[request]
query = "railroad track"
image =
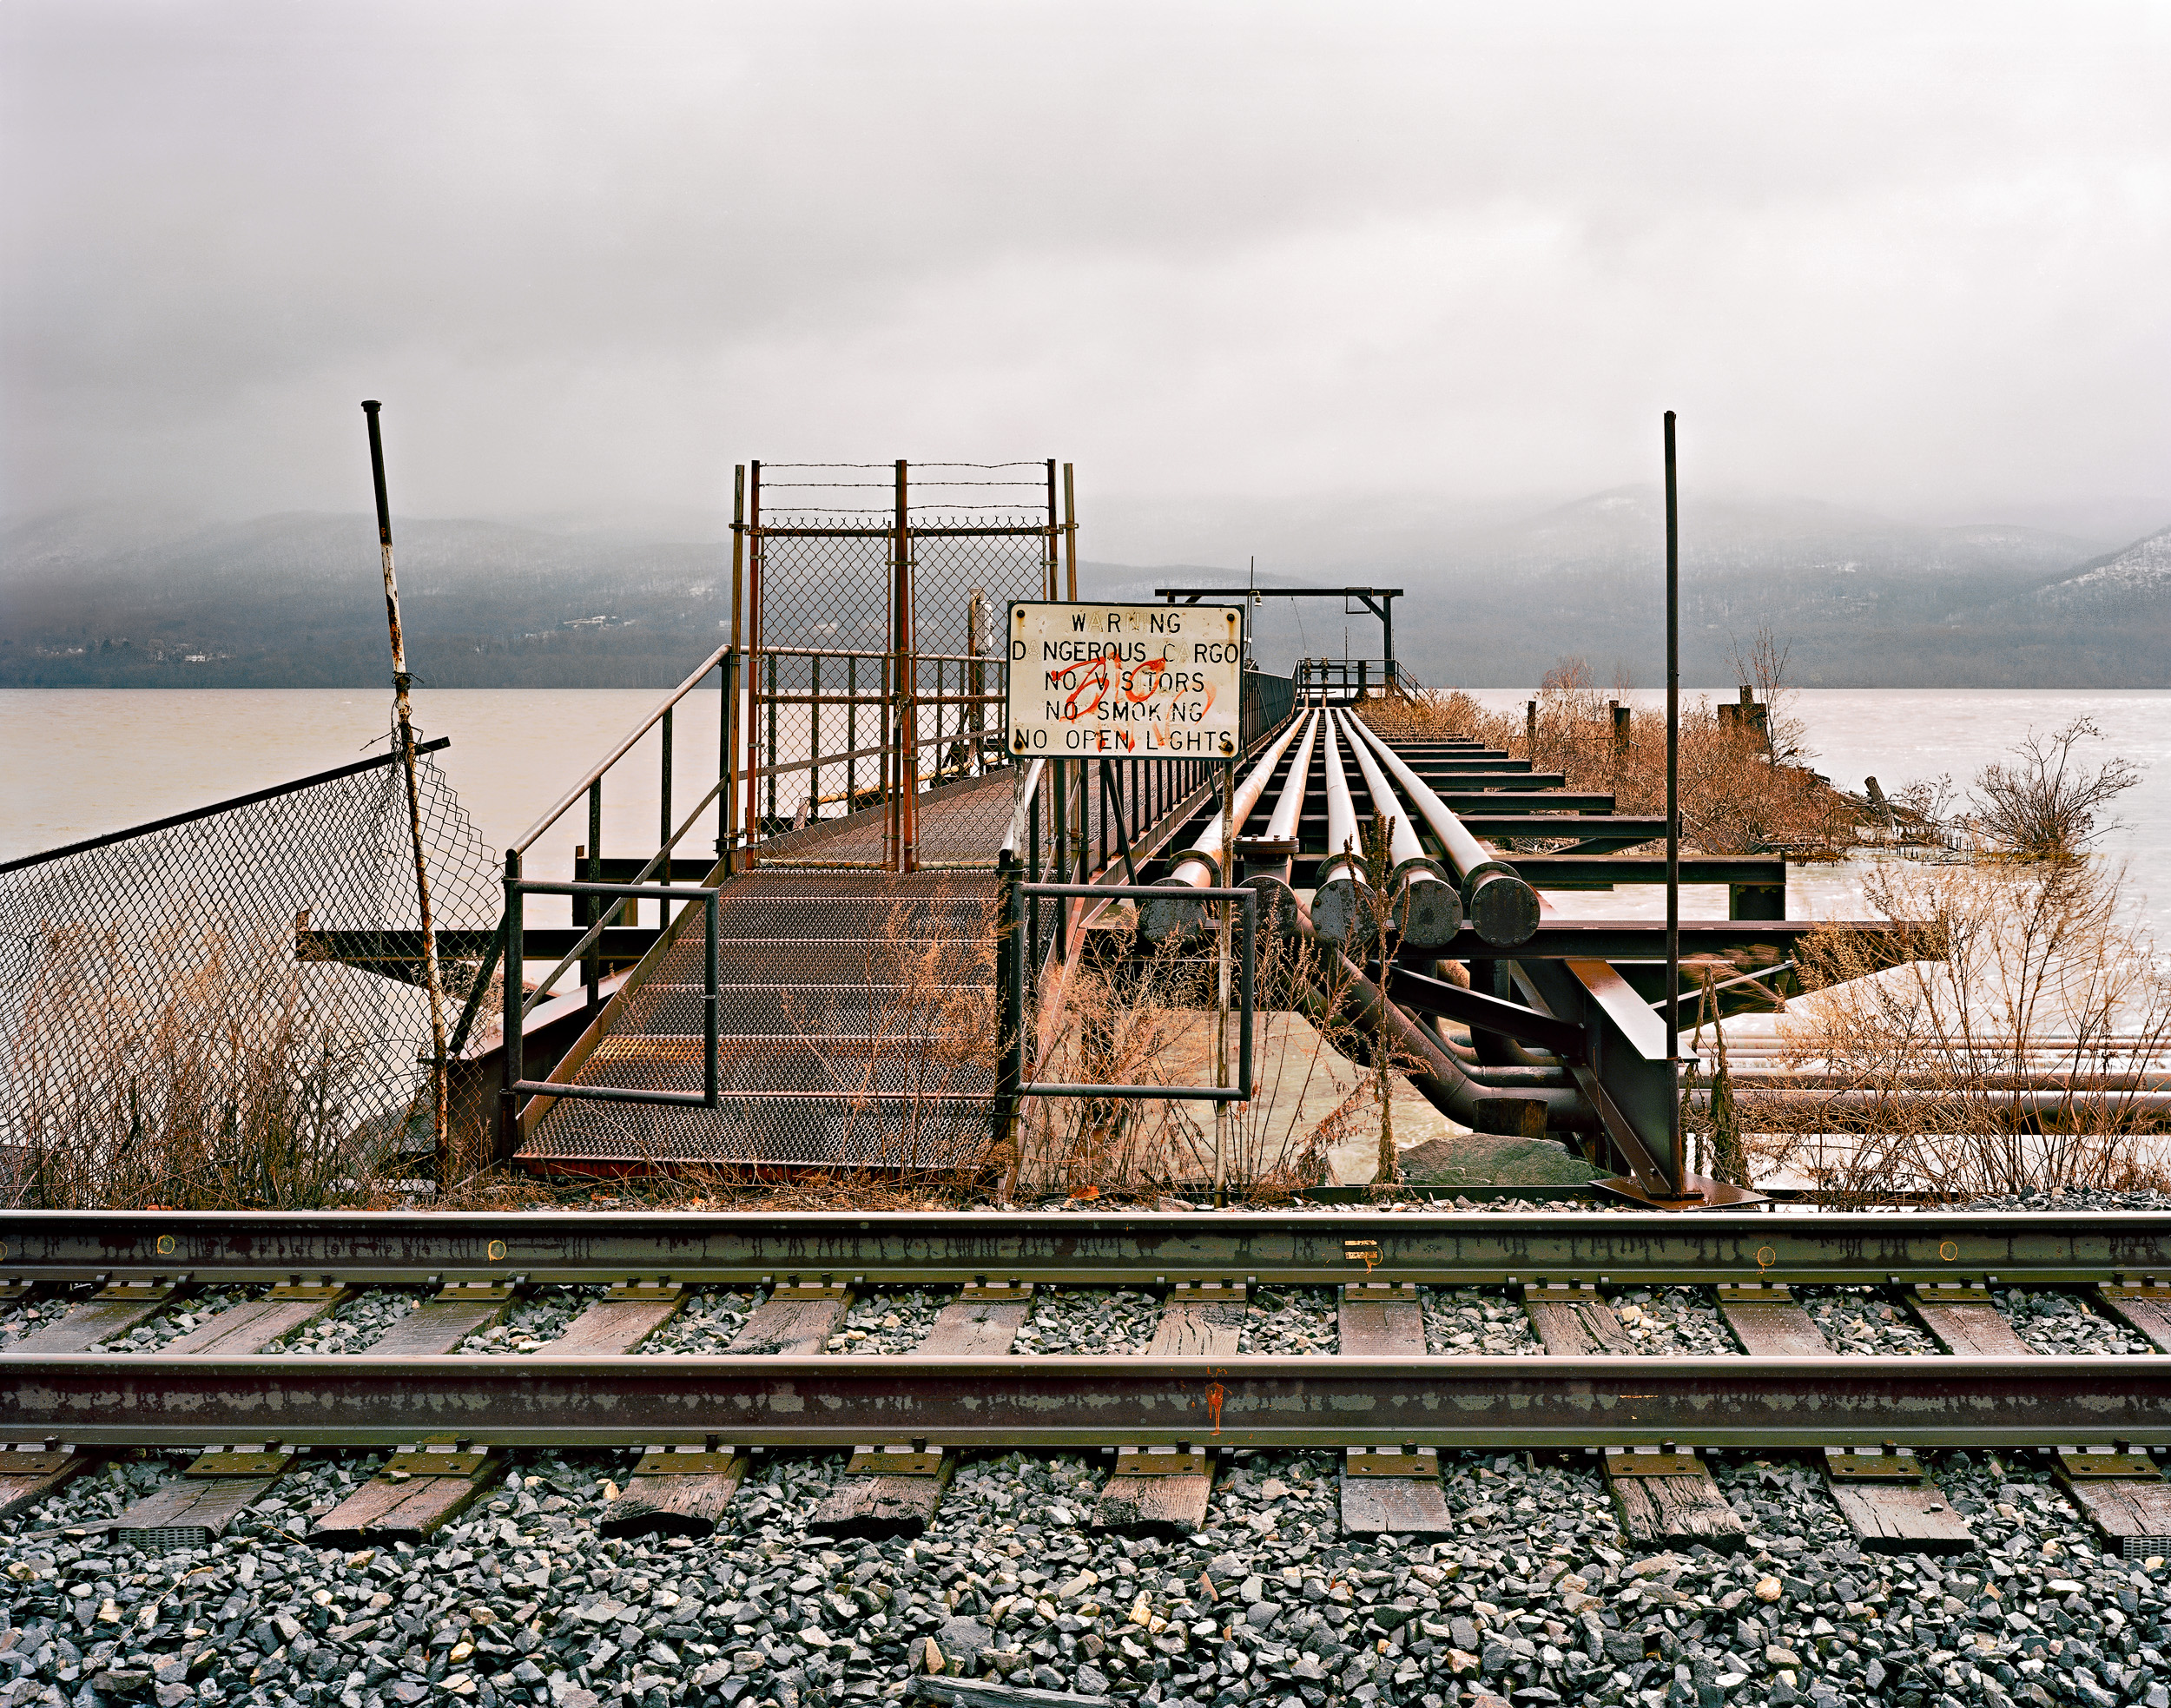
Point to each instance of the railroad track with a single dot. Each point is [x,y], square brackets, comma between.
[244,1291]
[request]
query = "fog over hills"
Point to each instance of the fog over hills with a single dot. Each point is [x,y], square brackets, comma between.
[1494,596]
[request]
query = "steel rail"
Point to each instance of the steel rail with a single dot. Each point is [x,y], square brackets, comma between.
[1315,1248]
[119,1399]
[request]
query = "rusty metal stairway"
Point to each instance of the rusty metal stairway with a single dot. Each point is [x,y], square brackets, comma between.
[856,1030]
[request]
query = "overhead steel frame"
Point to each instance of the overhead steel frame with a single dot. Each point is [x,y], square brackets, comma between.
[1380,600]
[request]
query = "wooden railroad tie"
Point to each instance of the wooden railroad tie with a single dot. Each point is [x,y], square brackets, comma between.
[894,1490]
[1393,1492]
[31,1470]
[676,1490]
[195,1510]
[1767,1323]
[113,1309]
[2122,1493]
[1667,1498]
[449,1316]
[420,1491]
[1891,1503]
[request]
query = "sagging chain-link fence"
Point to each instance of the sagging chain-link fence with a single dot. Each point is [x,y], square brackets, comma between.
[227,1008]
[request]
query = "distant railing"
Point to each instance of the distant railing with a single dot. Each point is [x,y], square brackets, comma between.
[1268,702]
[1341,682]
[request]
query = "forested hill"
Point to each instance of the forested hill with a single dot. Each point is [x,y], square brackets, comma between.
[294,600]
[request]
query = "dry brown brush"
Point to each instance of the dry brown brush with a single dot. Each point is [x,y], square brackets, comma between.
[247,1084]
[1736,798]
[1143,1013]
[2010,1052]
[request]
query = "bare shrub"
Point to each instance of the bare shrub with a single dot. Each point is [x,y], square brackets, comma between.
[1761,663]
[2045,804]
[1934,1070]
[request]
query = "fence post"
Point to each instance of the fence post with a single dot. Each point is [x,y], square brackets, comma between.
[514,1065]
[908,687]
[592,911]
[727,763]
[1009,998]
[728,681]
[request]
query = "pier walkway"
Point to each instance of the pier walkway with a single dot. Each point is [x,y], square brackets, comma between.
[857,1012]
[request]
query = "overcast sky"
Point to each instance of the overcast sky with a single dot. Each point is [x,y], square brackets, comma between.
[1915,258]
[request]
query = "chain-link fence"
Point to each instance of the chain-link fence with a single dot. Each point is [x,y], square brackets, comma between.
[227,1008]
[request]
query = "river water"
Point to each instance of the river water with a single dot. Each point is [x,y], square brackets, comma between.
[78,762]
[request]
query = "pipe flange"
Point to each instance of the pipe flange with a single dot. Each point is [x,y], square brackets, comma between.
[1501,904]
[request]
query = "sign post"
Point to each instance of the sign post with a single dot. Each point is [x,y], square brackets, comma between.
[1098,682]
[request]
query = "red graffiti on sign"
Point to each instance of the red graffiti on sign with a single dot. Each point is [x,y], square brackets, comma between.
[1074,681]
[1086,686]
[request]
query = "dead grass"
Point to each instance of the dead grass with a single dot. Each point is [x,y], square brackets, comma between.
[1736,798]
[244,1087]
[1139,1014]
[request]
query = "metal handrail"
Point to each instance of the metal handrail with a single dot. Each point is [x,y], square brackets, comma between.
[624,748]
[516,1013]
[869,652]
[594,933]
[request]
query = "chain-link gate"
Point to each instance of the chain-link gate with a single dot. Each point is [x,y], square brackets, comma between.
[868,599]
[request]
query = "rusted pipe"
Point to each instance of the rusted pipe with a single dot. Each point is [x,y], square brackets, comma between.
[1496,899]
[1342,903]
[1352,1022]
[1198,866]
[1426,910]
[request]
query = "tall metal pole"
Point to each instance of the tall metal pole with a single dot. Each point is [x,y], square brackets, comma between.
[404,716]
[731,674]
[1676,1172]
[1221,980]
[906,684]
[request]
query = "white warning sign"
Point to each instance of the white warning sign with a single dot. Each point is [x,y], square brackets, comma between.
[1125,681]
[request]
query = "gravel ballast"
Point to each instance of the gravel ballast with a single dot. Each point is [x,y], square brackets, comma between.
[1533,1599]
[1862,1322]
[1476,1323]
[533,1322]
